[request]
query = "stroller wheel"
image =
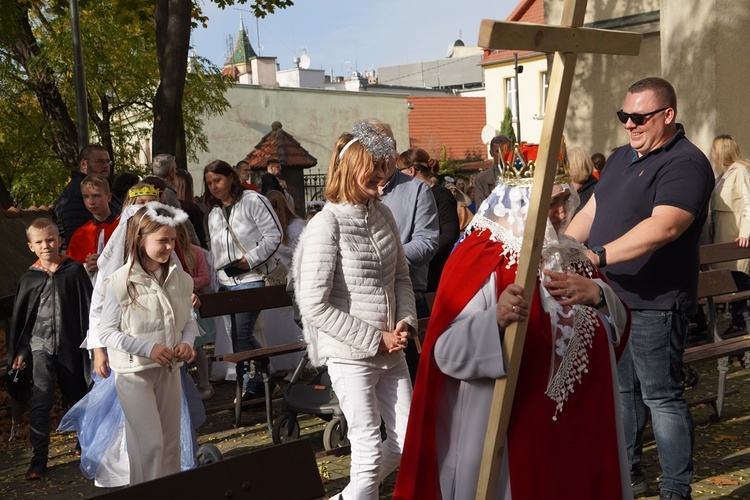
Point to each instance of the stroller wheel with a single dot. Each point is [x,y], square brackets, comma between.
[334,435]
[208,454]
[285,429]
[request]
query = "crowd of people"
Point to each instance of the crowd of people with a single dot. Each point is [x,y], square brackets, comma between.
[120,273]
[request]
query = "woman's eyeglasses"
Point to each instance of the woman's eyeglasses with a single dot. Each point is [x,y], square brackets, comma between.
[637,118]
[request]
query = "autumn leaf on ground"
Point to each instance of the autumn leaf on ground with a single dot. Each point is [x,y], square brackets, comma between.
[725,437]
[722,481]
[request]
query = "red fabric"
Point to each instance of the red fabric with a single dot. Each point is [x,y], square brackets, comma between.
[548,459]
[247,185]
[418,475]
[86,238]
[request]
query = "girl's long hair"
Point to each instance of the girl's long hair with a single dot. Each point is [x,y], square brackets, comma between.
[285,214]
[344,172]
[727,151]
[140,225]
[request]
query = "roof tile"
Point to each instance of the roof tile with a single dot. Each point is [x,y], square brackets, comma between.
[452,122]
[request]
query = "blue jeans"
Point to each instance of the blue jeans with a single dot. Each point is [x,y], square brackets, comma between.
[650,379]
[245,338]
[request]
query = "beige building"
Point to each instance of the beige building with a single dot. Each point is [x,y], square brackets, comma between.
[314,117]
[698,45]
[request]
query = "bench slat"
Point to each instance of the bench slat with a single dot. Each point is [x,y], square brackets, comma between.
[248,300]
[723,252]
[716,282]
[716,350]
[263,352]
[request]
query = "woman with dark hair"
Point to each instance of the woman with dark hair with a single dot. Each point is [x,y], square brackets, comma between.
[416,162]
[244,233]
[183,184]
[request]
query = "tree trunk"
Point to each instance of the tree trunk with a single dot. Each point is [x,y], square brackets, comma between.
[172,20]
[40,78]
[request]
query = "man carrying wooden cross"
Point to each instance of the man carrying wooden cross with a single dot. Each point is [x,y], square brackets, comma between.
[642,225]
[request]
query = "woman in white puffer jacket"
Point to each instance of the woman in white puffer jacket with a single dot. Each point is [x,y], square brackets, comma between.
[357,305]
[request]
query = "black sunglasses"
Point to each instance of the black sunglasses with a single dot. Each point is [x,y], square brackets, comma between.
[637,118]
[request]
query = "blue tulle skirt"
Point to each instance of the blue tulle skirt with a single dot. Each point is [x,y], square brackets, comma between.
[100,424]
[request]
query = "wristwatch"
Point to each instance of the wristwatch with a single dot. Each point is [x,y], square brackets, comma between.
[602,299]
[602,254]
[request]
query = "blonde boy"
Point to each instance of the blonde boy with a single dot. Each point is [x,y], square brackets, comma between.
[89,240]
[50,320]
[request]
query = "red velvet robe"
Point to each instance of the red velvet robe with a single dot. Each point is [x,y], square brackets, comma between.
[574,457]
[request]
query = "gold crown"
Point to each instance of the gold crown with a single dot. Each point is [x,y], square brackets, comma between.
[519,165]
[147,190]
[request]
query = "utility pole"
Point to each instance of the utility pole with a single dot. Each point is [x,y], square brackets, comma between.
[79,75]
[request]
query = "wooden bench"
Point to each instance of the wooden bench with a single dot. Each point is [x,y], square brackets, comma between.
[716,254]
[718,287]
[239,301]
[286,471]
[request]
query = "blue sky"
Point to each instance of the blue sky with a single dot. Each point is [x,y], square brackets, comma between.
[343,35]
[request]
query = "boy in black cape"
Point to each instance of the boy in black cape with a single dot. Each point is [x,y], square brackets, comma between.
[50,320]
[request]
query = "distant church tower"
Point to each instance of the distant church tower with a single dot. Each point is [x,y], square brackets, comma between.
[245,66]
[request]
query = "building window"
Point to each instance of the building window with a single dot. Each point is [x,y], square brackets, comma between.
[543,87]
[510,96]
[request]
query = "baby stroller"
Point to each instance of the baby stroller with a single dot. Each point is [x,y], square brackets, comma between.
[315,398]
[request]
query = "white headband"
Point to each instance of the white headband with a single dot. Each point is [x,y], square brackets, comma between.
[341,154]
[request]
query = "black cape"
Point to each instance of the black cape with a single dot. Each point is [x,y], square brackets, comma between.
[74,290]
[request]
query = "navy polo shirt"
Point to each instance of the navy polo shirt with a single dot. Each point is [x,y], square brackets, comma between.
[676,174]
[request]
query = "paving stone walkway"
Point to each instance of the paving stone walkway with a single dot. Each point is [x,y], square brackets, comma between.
[722,451]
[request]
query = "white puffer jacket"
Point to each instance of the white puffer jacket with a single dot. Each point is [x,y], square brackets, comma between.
[159,315]
[352,283]
[256,227]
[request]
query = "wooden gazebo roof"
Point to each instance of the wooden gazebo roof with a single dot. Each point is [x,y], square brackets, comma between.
[281,145]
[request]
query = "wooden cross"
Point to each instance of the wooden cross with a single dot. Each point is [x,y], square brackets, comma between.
[566,41]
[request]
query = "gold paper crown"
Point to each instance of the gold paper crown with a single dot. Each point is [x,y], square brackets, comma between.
[519,165]
[147,190]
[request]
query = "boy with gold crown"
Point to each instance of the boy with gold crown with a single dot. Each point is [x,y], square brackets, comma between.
[564,426]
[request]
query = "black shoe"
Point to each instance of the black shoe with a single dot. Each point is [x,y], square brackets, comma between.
[734,329]
[671,495]
[37,470]
[639,483]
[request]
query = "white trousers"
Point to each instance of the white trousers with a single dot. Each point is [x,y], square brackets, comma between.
[366,394]
[151,401]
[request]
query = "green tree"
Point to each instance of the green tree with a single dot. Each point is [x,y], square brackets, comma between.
[172,21]
[506,128]
[121,59]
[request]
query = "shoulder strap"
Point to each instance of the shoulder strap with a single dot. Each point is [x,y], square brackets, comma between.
[234,236]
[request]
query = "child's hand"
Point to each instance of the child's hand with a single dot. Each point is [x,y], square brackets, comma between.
[101,362]
[184,352]
[196,301]
[161,354]
[18,363]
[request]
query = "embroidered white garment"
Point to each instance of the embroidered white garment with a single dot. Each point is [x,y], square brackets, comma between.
[504,214]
